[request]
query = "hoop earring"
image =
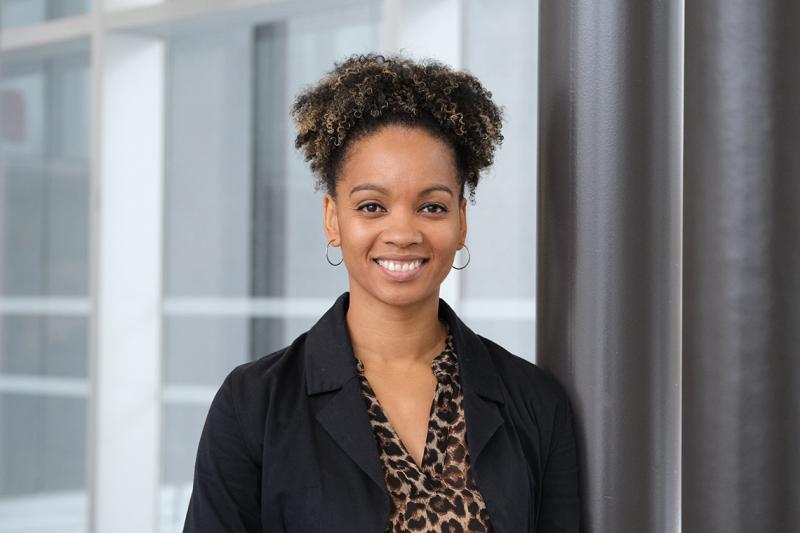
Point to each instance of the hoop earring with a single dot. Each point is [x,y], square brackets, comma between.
[327,249]
[469,258]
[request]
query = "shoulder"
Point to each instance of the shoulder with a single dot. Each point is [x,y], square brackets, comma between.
[525,381]
[260,377]
[251,389]
[268,367]
[535,401]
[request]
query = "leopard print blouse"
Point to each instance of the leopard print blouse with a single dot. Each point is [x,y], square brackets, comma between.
[441,496]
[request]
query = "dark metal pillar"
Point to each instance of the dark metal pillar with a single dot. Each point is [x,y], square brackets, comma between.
[741,351]
[609,259]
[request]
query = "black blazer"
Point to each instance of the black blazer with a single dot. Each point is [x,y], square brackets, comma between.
[287,445]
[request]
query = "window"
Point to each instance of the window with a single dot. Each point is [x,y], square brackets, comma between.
[44,304]
[152,206]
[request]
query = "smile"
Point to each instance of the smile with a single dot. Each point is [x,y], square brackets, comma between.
[400,270]
[397,266]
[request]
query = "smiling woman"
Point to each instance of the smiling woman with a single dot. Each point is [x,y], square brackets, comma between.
[390,414]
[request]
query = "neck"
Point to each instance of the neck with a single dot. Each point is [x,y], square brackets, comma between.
[394,338]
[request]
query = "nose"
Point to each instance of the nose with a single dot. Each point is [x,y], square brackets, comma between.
[401,229]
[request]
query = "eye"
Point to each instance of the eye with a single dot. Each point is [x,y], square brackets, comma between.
[370,207]
[437,208]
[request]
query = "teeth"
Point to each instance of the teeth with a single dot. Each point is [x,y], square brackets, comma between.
[400,266]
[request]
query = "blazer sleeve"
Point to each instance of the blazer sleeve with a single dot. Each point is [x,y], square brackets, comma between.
[226,489]
[560,509]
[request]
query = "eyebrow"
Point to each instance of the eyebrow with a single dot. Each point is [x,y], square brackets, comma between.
[384,190]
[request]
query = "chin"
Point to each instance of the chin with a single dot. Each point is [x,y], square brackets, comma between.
[402,295]
[404,298]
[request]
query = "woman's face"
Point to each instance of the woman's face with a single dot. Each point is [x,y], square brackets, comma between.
[398,214]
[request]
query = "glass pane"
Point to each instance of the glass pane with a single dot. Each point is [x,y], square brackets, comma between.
[15,13]
[44,304]
[43,346]
[202,350]
[43,444]
[500,46]
[44,186]
[42,463]
[207,212]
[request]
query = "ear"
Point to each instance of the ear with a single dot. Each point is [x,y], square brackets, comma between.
[330,219]
[462,217]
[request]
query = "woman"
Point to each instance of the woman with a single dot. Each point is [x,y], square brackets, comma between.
[390,414]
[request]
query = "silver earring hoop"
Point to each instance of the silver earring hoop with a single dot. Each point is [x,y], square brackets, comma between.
[469,257]
[327,249]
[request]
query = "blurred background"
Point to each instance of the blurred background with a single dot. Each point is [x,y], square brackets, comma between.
[157,226]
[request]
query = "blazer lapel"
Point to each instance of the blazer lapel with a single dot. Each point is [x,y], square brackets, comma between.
[345,418]
[330,366]
[498,463]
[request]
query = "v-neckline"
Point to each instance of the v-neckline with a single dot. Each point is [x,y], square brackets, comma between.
[431,412]
[428,433]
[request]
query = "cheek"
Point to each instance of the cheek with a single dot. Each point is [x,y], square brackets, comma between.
[445,239]
[357,237]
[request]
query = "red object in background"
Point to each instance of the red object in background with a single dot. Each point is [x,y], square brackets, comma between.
[12,116]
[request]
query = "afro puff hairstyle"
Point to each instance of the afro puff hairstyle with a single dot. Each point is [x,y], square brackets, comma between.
[365,92]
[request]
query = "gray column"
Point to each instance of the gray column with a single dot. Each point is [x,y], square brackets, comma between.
[609,259]
[741,365]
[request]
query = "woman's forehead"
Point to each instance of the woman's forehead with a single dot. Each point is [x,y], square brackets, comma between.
[398,157]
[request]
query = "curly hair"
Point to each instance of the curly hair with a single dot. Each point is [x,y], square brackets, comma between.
[365,92]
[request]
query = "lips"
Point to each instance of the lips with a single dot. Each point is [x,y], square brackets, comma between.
[401,269]
[399,265]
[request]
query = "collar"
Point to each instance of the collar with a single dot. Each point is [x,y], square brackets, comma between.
[330,361]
